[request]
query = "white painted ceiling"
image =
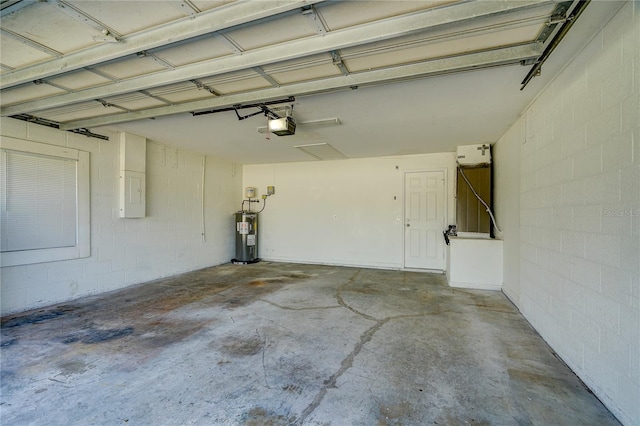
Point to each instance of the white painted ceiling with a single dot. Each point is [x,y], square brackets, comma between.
[402,77]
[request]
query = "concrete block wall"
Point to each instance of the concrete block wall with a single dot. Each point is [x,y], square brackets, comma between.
[167,241]
[578,281]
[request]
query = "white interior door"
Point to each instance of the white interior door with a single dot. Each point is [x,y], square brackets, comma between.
[424,220]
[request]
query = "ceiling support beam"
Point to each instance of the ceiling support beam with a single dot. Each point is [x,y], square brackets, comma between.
[216,19]
[484,59]
[366,33]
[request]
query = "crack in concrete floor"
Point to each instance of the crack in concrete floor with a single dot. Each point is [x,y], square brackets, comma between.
[266,345]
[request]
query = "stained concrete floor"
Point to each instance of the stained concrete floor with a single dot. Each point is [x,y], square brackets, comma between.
[284,344]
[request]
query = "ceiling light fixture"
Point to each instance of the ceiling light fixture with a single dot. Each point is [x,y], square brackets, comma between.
[326,122]
[283,126]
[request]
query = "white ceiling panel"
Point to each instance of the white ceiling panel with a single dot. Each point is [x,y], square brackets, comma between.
[134,102]
[238,86]
[16,54]
[130,16]
[303,69]
[305,74]
[77,80]
[132,67]
[357,62]
[210,4]
[180,92]
[338,15]
[272,32]
[189,53]
[46,24]
[299,63]
[28,92]
[78,111]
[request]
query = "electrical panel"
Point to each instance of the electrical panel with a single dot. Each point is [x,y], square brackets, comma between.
[133,151]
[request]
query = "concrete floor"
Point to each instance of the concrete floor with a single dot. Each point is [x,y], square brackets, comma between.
[282,344]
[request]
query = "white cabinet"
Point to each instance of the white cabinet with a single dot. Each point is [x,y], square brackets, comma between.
[475,263]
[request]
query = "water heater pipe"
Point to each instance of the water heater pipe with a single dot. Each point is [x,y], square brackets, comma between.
[493,219]
[202,216]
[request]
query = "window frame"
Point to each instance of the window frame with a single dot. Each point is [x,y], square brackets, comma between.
[82,247]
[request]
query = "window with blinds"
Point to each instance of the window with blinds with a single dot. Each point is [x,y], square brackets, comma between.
[39,202]
[43,203]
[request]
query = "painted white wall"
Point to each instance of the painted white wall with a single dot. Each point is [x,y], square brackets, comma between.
[506,178]
[579,213]
[340,212]
[128,251]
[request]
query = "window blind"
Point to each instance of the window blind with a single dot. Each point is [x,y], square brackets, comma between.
[39,202]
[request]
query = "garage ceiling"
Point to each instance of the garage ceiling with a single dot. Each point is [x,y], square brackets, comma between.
[371,78]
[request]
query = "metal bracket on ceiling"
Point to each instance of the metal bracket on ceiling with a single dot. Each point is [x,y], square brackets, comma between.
[112,105]
[88,133]
[315,19]
[337,61]
[558,16]
[201,86]
[55,125]
[263,110]
[555,20]
[564,29]
[266,76]
[263,106]
[162,62]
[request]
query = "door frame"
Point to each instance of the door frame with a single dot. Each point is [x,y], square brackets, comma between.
[445,171]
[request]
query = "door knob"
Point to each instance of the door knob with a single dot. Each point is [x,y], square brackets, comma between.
[408,225]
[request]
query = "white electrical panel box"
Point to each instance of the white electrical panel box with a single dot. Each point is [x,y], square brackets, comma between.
[474,155]
[133,151]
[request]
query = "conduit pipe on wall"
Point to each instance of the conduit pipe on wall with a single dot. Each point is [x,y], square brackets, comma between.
[202,226]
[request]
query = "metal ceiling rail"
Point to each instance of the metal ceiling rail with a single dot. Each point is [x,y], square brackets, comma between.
[216,19]
[236,107]
[56,125]
[490,58]
[566,26]
[366,33]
